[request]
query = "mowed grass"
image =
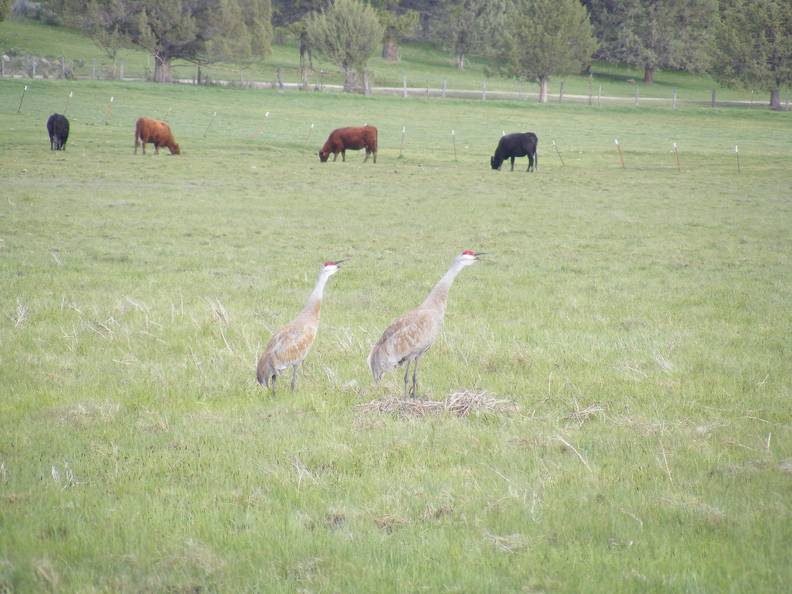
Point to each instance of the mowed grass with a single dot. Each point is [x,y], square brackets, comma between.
[639,318]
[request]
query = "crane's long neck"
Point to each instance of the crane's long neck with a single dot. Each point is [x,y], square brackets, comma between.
[314,303]
[439,295]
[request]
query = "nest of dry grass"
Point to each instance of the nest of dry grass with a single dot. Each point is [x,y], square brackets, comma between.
[460,404]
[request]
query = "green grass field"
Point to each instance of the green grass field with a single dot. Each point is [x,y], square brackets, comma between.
[639,318]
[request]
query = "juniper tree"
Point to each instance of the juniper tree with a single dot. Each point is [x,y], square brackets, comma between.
[652,34]
[544,38]
[754,45]
[397,23]
[468,26]
[346,33]
[194,30]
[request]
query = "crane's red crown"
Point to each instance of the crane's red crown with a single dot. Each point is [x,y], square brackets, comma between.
[328,263]
[469,253]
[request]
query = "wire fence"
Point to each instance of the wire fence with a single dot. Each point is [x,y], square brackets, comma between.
[33,67]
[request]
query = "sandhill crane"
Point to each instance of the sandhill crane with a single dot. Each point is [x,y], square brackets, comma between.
[411,335]
[290,345]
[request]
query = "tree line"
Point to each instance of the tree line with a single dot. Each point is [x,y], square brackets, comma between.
[739,42]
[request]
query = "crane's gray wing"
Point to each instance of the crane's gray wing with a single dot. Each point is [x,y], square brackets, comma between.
[408,336]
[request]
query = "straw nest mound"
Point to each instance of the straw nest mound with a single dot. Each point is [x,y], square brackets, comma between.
[459,404]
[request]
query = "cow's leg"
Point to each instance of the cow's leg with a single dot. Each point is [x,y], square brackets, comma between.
[335,157]
[536,162]
[367,155]
[512,163]
[156,148]
[143,145]
[530,162]
[375,156]
[343,156]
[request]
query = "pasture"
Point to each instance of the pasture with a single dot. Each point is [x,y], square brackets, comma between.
[639,318]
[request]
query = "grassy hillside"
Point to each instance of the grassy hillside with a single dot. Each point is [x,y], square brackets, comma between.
[421,63]
[638,318]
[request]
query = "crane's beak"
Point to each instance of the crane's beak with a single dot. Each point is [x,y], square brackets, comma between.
[338,262]
[479,254]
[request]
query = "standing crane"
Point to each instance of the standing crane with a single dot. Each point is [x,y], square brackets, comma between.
[290,345]
[410,336]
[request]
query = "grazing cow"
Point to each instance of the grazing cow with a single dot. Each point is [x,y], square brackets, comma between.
[58,128]
[344,139]
[156,132]
[514,145]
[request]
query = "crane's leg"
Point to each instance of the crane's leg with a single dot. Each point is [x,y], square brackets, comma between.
[294,378]
[415,380]
[406,377]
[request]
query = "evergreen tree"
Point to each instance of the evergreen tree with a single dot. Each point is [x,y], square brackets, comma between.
[754,43]
[347,33]
[195,30]
[286,12]
[397,23]
[468,26]
[545,38]
[652,34]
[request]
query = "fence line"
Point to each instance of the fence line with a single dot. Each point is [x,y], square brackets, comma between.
[59,70]
[485,94]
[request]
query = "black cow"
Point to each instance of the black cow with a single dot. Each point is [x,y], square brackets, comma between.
[58,128]
[514,145]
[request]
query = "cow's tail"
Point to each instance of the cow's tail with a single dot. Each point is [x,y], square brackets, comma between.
[536,155]
[137,135]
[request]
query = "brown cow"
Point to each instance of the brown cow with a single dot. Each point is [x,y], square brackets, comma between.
[156,132]
[342,139]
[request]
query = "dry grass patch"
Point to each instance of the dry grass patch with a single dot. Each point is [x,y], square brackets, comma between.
[509,543]
[459,404]
[85,413]
[786,466]
[388,523]
[46,574]
[581,415]
[695,506]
